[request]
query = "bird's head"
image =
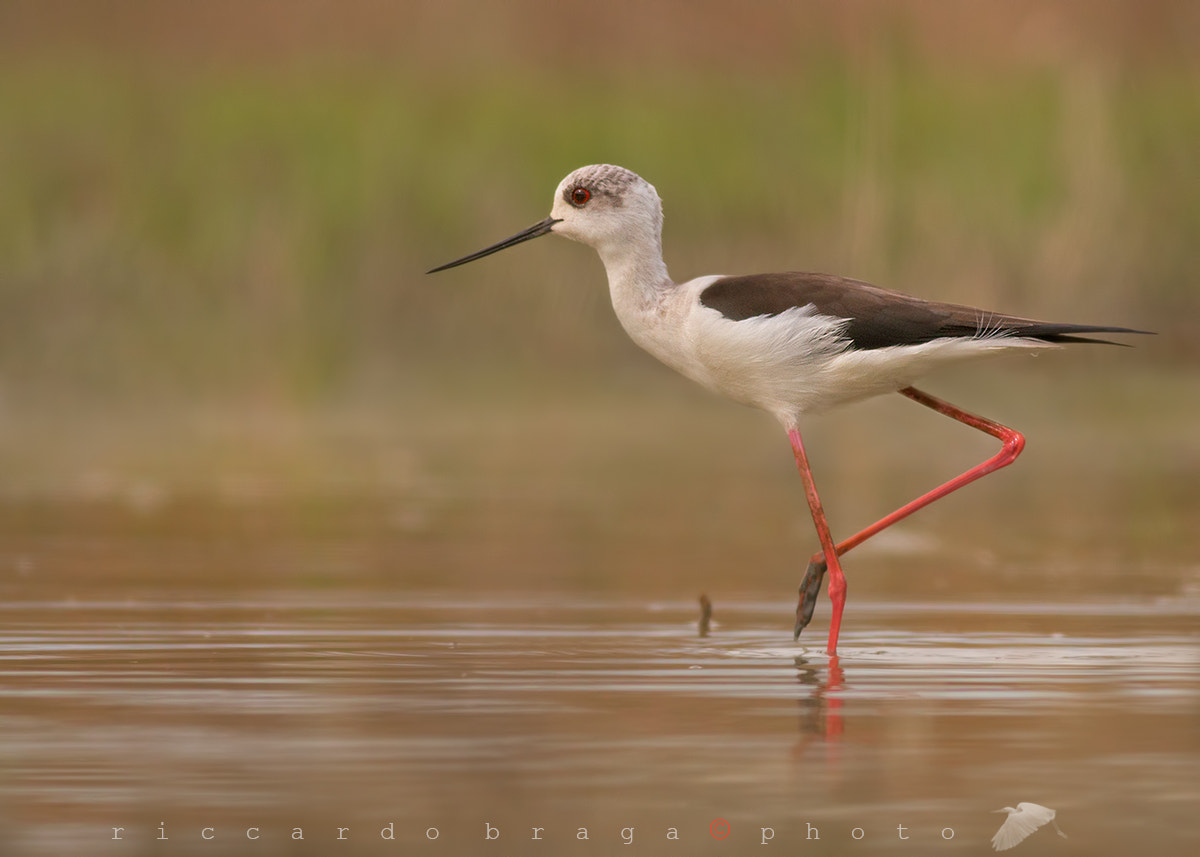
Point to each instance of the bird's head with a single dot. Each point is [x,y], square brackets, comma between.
[609,208]
[602,205]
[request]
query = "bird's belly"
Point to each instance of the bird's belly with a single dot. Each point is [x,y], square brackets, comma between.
[759,362]
[795,362]
[799,362]
[777,363]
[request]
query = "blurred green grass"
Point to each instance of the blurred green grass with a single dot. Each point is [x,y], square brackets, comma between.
[249,232]
[215,326]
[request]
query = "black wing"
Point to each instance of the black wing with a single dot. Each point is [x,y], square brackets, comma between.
[878,317]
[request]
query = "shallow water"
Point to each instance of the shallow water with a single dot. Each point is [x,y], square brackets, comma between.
[191,717]
[422,636]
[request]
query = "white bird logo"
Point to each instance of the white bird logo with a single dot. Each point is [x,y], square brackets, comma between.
[1021,822]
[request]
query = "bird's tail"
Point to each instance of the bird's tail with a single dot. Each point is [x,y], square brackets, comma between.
[1059,333]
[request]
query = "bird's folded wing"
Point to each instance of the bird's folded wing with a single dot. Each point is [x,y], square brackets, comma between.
[878,318]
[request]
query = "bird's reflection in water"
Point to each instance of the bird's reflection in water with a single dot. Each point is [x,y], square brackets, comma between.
[821,702]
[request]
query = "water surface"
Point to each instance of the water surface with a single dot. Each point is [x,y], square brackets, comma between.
[375,714]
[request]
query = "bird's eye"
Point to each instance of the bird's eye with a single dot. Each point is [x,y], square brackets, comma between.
[580,196]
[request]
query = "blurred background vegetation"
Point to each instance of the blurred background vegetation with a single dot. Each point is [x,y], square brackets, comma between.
[215,217]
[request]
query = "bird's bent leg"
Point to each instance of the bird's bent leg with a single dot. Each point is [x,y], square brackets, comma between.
[812,585]
[1012,444]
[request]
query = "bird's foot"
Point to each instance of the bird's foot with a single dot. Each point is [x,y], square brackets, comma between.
[810,588]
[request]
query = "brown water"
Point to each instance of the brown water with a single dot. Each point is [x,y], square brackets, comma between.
[502,637]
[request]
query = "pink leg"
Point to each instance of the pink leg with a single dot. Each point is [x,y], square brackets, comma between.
[837,580]
[1013,443]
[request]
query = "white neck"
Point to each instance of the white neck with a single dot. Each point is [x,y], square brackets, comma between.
[637,275]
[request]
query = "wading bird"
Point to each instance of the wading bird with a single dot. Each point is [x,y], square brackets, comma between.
[789,343]
[1021,822]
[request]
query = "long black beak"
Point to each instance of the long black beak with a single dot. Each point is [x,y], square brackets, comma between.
[535,231]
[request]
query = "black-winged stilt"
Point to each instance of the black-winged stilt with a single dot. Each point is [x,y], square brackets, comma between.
[789,343]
